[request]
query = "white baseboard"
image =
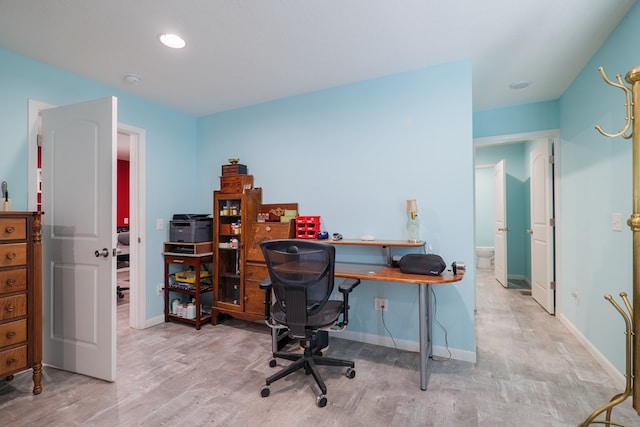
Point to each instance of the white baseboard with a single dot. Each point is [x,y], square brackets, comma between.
[153,321]
[401,344]
[615,375]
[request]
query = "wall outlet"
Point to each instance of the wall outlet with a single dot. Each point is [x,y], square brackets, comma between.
[160,289]
[380,304]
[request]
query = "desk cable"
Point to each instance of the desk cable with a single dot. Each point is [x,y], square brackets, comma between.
[387,329]
[446,338]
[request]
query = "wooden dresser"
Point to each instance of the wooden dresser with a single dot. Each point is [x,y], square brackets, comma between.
[256,269]
[21,295]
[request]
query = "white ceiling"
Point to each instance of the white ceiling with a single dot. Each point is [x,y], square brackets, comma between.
[240,53]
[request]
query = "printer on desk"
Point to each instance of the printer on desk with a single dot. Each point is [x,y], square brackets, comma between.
[191,228]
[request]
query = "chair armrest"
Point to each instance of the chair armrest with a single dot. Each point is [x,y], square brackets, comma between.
[265,283]
[348,285]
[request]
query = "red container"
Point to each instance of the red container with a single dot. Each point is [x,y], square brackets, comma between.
[307,227]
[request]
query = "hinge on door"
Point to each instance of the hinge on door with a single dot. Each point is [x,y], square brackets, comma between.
[552,286]
[552,222]
[551,159]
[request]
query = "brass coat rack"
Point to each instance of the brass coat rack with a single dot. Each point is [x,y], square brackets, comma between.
[632,318]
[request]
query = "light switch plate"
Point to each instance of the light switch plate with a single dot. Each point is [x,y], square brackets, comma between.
[616,221]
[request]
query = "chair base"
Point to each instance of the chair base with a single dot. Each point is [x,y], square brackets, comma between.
[309,361]
[120,291]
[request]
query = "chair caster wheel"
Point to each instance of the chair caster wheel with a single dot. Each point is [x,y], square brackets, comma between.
[272,363]
[264,391]
[351,373]
[321,401]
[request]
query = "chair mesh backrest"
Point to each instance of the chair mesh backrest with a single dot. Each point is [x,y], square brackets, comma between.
[301,274]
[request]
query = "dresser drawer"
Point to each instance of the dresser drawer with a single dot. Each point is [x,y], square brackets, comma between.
[13,307]
[13,360]
[13,229]
[13,333]
[263,231]
[236,184]
[13,280]
[13,254]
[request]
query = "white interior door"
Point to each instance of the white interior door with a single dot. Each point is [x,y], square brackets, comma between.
[79,237]
[542,231]
[500,226]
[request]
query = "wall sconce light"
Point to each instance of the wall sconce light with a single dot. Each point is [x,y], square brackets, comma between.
[413,225]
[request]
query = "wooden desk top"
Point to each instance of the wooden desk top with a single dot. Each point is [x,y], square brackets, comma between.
[380,243]
[390,274]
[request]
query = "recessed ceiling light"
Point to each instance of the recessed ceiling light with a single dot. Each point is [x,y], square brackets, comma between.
[172,40]
[132,79]
[520,84]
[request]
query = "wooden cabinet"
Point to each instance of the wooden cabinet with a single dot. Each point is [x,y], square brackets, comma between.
[187,278]
[233,213]
[256,270]
[21,295]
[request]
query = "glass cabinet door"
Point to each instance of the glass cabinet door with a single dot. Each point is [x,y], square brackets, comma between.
[229,250]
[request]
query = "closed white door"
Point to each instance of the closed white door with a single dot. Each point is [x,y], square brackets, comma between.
[79,237]
[500,222]
[542,272]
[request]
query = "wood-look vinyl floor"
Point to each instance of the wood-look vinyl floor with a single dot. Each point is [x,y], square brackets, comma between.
[530,372]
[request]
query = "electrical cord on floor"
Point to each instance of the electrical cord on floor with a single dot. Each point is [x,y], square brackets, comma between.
[446,339]
[387,329]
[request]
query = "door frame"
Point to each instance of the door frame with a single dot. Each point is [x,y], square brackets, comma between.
[137,203]
[526,136]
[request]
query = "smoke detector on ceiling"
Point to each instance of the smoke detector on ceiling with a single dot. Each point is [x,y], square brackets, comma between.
[520,84]
[132,79]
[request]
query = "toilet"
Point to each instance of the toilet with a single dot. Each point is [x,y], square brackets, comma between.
[484,256]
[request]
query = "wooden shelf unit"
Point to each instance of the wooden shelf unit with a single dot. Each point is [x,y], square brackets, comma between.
[178,281]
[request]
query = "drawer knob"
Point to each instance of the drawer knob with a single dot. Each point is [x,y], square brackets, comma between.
[11,282]
[10,308]
[10,229]
[11,334]
[11,362]
[11,255]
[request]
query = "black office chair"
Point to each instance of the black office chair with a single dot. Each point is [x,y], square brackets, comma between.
[301,278]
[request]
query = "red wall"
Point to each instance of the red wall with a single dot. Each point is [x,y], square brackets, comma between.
[122,193]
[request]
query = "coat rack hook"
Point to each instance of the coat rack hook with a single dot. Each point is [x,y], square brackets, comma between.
[628,106]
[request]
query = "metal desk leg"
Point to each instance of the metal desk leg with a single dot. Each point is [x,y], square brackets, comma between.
[424,311]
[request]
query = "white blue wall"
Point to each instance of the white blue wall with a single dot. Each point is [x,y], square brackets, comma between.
[354,155]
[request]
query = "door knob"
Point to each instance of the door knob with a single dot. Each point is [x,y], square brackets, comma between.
[104,252]
[530,231]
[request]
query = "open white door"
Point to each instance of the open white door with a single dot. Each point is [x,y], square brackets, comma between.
[500,226]
[542,289]
[79,237]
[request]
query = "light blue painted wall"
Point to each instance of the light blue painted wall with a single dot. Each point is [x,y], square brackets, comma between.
[485,207]
[170,146]
[518,119]
[595,182]
[353,155]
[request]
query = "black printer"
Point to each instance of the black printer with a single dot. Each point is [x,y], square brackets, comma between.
[191,228]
